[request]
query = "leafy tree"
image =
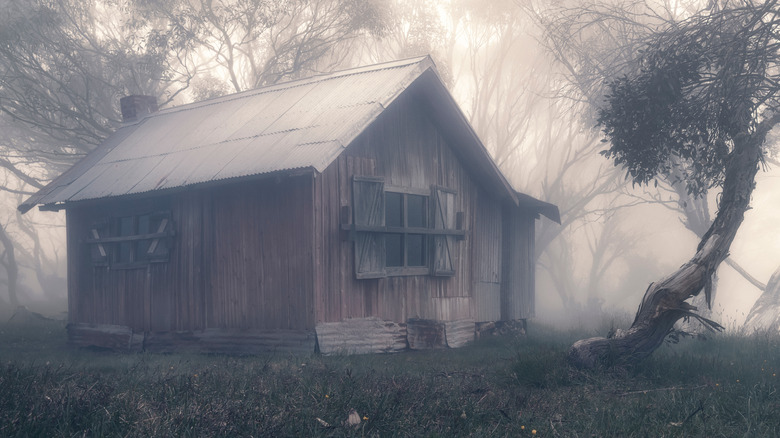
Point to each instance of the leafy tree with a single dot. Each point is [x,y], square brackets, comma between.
[598,41]
[705,93]
[65,63]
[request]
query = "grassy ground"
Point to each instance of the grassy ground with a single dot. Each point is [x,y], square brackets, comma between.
[726,386]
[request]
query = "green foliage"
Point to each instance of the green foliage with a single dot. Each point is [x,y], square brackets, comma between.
[497,387]
[699,84]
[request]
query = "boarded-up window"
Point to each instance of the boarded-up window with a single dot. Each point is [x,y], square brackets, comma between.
[99,252]
[157,249]
[131,241]
[125,227]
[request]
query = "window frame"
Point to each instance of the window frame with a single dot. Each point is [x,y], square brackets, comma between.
[368,229]
[106,239]
[405,230]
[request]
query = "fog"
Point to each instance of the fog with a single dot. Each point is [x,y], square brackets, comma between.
[666,244]
[499,64]
[757,247]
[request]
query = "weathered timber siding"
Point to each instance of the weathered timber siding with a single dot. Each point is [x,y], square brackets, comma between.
[487,261]
[518,267]
[241,258]
[405,148]
[268,254]
[99,295]
[262,274]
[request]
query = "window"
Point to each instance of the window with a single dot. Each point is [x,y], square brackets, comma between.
[131,241]
[403,214]
[402,231]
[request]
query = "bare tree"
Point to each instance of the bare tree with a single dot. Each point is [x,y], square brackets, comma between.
[8,260]
[255,43]
[64,63]
[41,262]
[763,316]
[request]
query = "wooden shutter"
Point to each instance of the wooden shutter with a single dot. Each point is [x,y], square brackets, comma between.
[99,252]
[443,246]
[368,206]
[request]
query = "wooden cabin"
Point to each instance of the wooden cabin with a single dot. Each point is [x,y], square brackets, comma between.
[349,212]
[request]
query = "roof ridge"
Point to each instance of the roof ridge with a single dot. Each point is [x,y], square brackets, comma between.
[288,85]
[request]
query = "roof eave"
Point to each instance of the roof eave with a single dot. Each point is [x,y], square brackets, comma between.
[57,206]
[67,177]
[550,211]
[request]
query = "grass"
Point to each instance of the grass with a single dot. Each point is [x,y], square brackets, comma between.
[726,386]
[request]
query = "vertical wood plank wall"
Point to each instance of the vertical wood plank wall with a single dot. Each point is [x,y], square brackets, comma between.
[263,276]
[406,148]
[487,260]
[269,253]
[241,258]
[518,265]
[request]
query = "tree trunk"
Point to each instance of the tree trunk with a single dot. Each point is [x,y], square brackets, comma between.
[765,314]
[664,301]
[694,326]
[11,268]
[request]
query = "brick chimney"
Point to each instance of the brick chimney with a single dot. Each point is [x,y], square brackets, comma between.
[136,106]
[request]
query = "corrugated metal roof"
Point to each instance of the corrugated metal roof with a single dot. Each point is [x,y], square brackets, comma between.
[303,124]
[299,124]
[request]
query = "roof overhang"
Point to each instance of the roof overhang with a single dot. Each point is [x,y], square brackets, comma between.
[66,178]
[276,175]
[550,211]
[462,137]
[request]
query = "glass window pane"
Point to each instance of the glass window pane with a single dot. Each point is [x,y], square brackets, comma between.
[415,250]
[393,256]
[417,209]
[393,209]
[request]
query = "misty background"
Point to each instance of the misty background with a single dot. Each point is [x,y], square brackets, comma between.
[529,76]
